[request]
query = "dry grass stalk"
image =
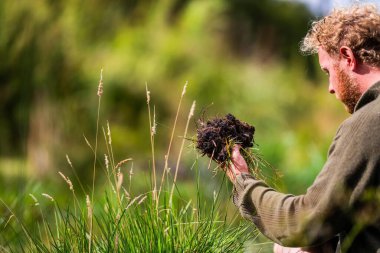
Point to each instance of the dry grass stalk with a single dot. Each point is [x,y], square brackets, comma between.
[119,177]
[191,114]
[75,173]
[67,180]
[71,187]
[122,162]
[108,159]
[109,146]
[99,93]
[209,163]
[141,200]
[109,150]
[151,127]
[88,143]
[166,169]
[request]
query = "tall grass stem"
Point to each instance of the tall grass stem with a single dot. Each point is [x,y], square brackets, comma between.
[191,113]
[152,129]
[171,139]
[100,92]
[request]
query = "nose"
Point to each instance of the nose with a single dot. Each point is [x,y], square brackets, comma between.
[331,89]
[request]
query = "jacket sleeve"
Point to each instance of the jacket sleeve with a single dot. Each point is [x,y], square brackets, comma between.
[328,206]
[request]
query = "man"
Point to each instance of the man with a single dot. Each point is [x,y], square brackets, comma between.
[341,209]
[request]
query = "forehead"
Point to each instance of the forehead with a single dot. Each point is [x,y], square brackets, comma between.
[323,56]
[325,60]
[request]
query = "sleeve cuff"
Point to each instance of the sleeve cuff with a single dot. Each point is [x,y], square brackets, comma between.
[239,186]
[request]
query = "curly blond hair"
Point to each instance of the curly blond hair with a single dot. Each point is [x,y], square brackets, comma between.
[357,27]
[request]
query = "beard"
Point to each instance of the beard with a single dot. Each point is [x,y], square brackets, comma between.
[348,90]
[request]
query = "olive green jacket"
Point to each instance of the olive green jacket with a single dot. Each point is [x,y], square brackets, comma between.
[344,199]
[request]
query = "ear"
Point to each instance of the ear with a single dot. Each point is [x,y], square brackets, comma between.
[348,57]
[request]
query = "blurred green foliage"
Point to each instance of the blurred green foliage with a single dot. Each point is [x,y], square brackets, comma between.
[240,57]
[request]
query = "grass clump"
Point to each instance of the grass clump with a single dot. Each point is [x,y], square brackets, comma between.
[134,226]
[120,220]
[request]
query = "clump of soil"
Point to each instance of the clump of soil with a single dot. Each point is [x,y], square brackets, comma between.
[215,137]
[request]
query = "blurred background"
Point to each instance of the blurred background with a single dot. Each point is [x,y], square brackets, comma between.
[239,57]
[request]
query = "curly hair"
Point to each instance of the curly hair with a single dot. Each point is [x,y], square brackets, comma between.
[357,27]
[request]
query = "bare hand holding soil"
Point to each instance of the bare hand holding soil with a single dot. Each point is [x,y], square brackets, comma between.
[215,138]
[238,165]
[230,143]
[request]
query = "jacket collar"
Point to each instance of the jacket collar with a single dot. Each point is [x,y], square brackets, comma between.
[371,94]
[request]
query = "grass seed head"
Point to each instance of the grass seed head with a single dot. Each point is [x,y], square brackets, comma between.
[192,109]
[100,86]
[68,161]
[106,161]
[109,133]
[119,180]
[184,88]
[122,162]
[67,180]
[89,208]
[147,94]
[154,126]
[48,196]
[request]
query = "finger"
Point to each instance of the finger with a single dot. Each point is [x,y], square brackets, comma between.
[236,151]
[238,164]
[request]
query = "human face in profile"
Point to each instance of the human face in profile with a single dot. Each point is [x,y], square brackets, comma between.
[341,83]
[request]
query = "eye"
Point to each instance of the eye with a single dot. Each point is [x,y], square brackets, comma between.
[326,71]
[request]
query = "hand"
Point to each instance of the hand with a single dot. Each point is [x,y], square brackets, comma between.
[238,165]
[280,249]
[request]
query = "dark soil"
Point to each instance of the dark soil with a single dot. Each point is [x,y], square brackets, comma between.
[215,137]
